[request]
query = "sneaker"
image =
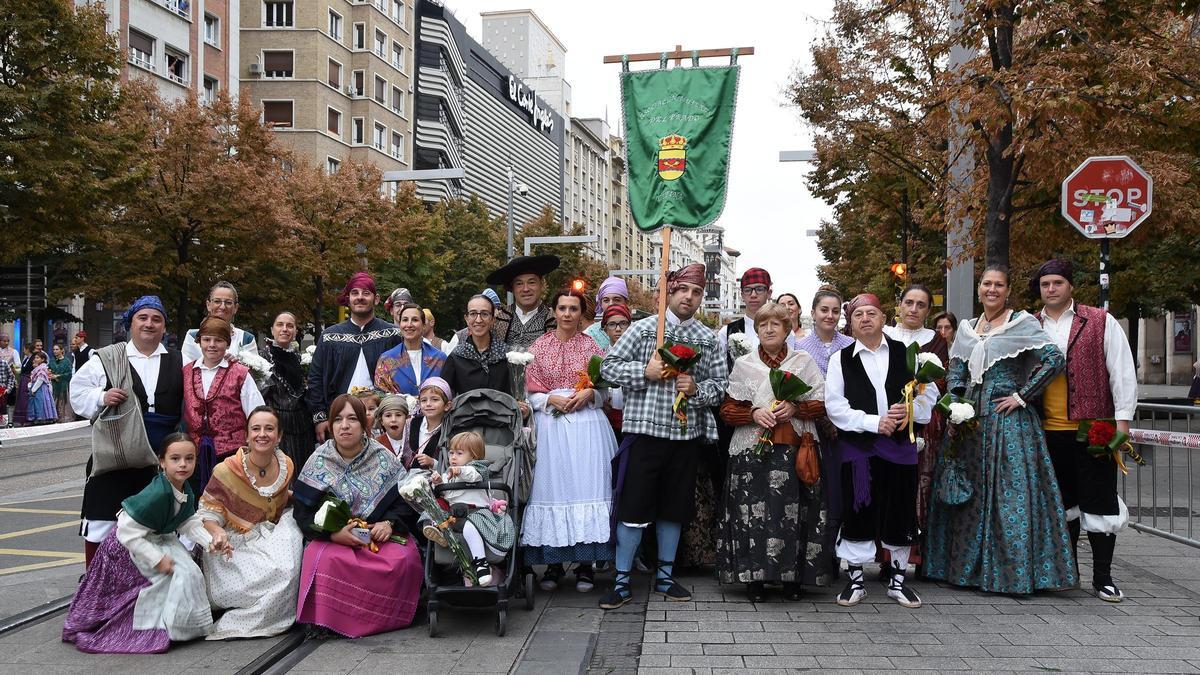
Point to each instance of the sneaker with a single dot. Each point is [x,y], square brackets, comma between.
[1109,592]
[619,594]
[483,571]
[852,594]
[854,591]
[584,580]
[902,593]
[666,585]
[432,533]
[550,578]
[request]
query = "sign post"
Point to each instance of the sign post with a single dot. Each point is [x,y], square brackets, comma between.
[1106,198]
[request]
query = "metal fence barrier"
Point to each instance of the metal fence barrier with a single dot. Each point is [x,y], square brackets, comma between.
[1162,494]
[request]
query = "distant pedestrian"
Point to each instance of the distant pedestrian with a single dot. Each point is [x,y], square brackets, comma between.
[10,364]
[41,391]
[61,370]
[21,410]
[81,351]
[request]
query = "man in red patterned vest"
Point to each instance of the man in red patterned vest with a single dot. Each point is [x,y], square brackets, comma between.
[1100,383]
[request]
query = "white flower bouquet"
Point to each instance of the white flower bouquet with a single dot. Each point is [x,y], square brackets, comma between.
[517,360]
[259,367]
[739,345]
[419,493]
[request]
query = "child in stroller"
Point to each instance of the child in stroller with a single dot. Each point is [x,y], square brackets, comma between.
[465,457]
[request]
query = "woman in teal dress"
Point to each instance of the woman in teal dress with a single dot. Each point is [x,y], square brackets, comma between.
[1006,531]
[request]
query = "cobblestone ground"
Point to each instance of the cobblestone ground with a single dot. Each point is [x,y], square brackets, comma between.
[1156,629]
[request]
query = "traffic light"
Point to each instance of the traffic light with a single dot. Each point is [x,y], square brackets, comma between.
[578,285]
[900,271]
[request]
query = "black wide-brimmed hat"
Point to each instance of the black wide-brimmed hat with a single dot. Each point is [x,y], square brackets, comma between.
[540,265]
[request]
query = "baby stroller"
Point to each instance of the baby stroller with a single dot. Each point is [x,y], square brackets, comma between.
[496,417]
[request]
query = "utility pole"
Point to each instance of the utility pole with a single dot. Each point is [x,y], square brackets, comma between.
[960,268]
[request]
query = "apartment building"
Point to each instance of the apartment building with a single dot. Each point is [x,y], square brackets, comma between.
[180,46]
[333,77]
[589,196]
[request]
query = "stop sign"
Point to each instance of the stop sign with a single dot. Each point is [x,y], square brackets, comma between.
[1107,197]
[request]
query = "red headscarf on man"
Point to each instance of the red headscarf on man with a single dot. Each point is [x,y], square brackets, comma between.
[358,280]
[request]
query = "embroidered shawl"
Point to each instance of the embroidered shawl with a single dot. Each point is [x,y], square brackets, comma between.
[230,493]
[362,482]
[394,373]
[1021,333]
[750,381]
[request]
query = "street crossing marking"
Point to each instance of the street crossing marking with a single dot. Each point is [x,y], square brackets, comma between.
[35,530]
[40,566]
[50,512]
[40,554]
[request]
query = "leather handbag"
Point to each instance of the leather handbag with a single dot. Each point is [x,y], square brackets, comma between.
[119,439]
[808,463]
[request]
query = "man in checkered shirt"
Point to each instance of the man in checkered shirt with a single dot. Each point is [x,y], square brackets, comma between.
[660,454]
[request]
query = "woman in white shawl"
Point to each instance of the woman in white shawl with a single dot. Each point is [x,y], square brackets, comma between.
[773,528]
[996,522]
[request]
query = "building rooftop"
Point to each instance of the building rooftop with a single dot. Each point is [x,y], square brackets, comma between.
[521,12]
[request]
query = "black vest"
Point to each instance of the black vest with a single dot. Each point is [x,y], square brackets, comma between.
[168,391]
[860,392]
[81,357]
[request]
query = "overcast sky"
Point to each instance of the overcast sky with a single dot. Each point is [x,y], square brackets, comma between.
[768,209]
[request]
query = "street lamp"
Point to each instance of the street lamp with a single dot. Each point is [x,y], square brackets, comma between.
[520,189]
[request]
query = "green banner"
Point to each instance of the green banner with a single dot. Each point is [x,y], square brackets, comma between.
[678,127]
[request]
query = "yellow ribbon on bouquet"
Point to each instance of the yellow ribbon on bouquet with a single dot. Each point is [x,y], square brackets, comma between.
[359,522]
[911,391]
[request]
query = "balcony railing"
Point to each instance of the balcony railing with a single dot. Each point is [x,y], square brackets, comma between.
[141,60]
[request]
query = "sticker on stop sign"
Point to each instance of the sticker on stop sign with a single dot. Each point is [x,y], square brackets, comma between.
[1107,197]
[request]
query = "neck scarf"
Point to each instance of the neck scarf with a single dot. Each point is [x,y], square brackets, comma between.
[980,352]
[362,481]
[154,507]
[495,352]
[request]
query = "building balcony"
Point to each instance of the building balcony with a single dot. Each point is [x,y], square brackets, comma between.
[438,32]
[436,136]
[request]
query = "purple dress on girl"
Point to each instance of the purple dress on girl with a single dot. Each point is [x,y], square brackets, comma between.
[41,396]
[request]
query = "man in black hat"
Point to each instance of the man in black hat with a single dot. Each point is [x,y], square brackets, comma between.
[528,319]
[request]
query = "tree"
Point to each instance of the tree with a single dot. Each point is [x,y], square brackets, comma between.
[209,205]
[472,245]
[416,252]
[1049,83]
[338,217]
[62,159]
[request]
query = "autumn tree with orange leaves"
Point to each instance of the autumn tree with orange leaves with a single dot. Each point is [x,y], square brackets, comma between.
[1048,84]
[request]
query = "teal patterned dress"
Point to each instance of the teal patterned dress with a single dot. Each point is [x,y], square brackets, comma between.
[1011,535]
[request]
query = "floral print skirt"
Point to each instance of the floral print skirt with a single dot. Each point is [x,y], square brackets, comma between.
[773,527]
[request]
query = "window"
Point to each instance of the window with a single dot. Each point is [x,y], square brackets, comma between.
[398,101]
[141,49]
[278,13]
[397,150]
[277,63]
[381,40]
[360,83]
[379,140]
[335,75]
[335,122]
[332,164]
[177,66]
[277,113]
[380,90]
[357,127]
[335,25]
[398,56]
[212,30]
[360,36]
[398,12]
[211,88]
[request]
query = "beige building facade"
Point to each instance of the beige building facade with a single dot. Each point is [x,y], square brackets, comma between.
[333,77]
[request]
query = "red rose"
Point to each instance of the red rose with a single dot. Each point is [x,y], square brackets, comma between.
[682,351]
[786,376]
[1101,434]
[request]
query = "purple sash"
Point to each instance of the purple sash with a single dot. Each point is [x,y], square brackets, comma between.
[883,447]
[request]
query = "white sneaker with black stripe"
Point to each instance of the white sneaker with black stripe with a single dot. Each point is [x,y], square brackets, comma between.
[1109,592]
[903,594]
[854,591]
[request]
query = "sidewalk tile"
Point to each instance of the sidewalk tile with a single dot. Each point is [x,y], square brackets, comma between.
[790,661]
[700,637]
[706,661]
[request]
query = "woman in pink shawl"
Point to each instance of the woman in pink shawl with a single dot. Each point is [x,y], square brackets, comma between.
[567,519]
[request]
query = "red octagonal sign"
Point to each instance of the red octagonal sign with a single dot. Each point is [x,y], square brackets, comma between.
[1107,197]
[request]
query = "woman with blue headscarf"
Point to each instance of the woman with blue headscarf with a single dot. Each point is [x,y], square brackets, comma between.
[141,376]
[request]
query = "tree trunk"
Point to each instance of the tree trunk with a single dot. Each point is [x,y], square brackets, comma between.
[999,197]
[319,305]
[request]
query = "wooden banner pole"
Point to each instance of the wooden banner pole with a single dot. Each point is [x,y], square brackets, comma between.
[664,270]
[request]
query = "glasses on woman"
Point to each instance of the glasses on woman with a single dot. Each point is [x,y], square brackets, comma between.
[475,315]
[222,302]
